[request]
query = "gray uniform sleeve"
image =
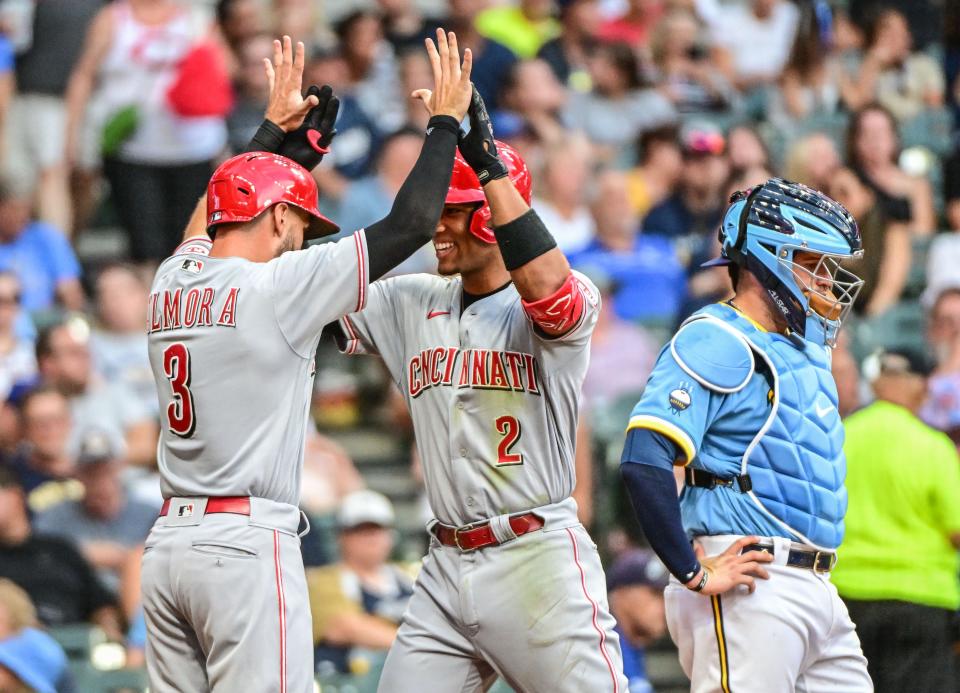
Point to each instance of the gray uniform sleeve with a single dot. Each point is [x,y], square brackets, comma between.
[317,286]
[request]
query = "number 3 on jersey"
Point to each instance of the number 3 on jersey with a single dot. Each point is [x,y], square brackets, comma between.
[509,428]
[176,366]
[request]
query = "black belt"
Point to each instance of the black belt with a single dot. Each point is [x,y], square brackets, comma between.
[810,559]
[704,479]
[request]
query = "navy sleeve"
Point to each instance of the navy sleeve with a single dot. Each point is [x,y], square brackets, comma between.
[647,470]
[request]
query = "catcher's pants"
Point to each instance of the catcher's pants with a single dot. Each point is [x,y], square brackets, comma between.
[532,610]
[792,634]
[225,601]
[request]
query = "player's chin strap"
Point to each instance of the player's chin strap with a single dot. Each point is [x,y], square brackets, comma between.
[701,478]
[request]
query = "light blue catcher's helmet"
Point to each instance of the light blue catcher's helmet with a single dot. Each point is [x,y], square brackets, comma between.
[763,230]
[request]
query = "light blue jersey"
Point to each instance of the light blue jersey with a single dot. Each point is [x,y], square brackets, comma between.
[717,394]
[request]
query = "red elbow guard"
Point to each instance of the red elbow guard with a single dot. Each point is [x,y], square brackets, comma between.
[560,311]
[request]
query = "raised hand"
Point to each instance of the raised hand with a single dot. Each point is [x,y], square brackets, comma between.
[307,144]
[451,82]
[478,147]
[732,568]
[286,107]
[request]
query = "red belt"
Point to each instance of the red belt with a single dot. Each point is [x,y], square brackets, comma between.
[481,536]
[238,505]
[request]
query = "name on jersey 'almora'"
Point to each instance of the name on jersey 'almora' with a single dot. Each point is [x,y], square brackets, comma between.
[485,369]
[174,310]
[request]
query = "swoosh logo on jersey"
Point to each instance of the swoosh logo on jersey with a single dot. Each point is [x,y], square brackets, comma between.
[435,313]
[823,412]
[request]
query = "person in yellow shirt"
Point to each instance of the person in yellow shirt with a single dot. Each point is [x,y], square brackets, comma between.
[897,568]
[523,28]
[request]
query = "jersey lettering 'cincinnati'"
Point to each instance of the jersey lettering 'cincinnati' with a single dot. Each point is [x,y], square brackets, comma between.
[176,309]
[484,369]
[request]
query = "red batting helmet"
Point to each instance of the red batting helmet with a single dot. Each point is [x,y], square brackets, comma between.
[465,188]
[246,185]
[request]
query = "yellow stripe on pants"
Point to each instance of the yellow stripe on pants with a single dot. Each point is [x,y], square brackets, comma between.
[721,643]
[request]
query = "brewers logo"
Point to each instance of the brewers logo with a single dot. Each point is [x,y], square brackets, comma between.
[680,399]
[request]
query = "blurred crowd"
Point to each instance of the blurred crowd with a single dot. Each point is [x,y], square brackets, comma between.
[638,119]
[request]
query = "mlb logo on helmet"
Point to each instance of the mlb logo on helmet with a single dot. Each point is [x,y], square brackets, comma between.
[680,399]
[216,216]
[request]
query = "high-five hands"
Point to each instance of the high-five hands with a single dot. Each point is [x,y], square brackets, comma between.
[452,89]
[286,107]
[732,568]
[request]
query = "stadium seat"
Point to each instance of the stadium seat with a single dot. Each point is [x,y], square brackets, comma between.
[78,640]
[91,680]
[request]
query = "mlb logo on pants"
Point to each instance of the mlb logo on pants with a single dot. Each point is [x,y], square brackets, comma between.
[185,510]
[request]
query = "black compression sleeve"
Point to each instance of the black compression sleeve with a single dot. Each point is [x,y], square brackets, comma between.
[419,203]
[268,138]
[523,239]
[653,495]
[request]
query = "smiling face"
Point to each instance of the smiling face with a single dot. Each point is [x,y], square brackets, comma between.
[458,250]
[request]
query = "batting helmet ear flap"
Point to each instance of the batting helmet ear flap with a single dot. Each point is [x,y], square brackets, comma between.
[480,224]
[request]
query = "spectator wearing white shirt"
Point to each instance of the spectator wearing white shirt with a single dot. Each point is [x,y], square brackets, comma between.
[561,202]
[758,35]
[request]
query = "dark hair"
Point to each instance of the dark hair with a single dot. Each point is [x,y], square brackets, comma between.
[624,61]
[853,130]
[808,52]
[874,20]
[343,27]
[44,344]
[224,8]
[648,139]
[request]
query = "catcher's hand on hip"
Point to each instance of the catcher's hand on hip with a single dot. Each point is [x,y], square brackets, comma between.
[307,144]
[451,81]
[732,568]
[286,107]
[478,147]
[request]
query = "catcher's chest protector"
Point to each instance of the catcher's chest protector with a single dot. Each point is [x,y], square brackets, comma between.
[796,461]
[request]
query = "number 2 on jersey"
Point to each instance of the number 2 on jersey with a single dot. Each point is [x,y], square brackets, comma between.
[509,428]
[176,366]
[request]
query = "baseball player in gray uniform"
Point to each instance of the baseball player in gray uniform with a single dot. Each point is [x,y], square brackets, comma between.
[233,326]
[490,359]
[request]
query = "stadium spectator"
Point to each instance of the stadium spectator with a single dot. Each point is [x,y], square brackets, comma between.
[635,26]
[562,190]
[30,660]
[415,73]
[44,461]
[241,22]
[812,79]
[35,144]
[567,54]
[898,564]
[359,601]
[404,26]
[372,69]
[18,365]
[635,585]
[328,475]
[648,277]
[158,151]
[684,68]
[758,35]
[106,525]
[943,258]
[533,95]
[873,147]
[62,585]
[885,266]
[118,344]
[942,409]
[252,90]
[658,170]
[64,361]
[620,106]
[40,256]
[622,354]
[492,61]
[846,373]
[522,27]
[812,160]
[746,150]
[903,81]
[6,90]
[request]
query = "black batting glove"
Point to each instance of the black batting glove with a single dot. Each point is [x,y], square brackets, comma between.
[478,147]
[307,144]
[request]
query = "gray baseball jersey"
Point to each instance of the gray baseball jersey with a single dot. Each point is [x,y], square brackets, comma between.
[494,404]
[232,347]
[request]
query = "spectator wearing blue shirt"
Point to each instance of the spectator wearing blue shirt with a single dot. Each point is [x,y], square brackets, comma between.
[39,255]
[649,278]
[492,61]
[635,584]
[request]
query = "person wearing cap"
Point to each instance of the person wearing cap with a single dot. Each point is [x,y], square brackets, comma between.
[105,524]
[358,601]
[62,584]
[897,567]
[29,658]
[635,587]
